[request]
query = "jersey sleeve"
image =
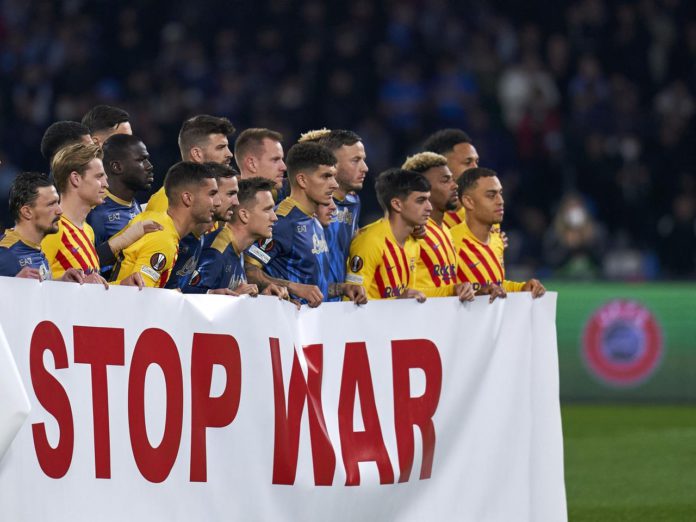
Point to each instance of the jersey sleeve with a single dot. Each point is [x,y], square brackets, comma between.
[512,286]
[95,219]
[9,266]
[154,259]
[363,261]
[260,254]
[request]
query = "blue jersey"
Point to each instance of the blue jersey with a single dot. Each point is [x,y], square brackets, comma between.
[298,251]
[281,193]
[340,233]
[16,253]
[190,248]
[111,217]
[221,264]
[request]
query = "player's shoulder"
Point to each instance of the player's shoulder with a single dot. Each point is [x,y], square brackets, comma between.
[285,208]
[220,239]
[375,229]
[9,239]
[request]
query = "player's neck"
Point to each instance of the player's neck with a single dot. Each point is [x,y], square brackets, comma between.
[242,238]
[481,231]
[29,233]
[400,228]
[437,216]
[183,222]
[341,192]
[300,196]
[120,190]
[74,208]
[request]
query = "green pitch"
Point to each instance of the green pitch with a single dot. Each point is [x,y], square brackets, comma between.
[630,463]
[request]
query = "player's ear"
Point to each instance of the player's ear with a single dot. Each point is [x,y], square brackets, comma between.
[74,178]
[242,215]
[196,154]
[301,180]
[115,166]
[187,198]
[467,201]
[26,212]
[250,164]
[396,205]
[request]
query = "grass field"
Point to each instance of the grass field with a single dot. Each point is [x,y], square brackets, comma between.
[630,463]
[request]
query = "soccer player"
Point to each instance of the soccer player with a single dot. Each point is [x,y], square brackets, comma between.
[35,207]
[351,170]
[60,134]
[259,152]
[296,257]
[222,262]
[436,268]
[81,182]
[129,170]
[479,249]
[193,198]
[191,246]
[104,121]
[384,254]
[456,146]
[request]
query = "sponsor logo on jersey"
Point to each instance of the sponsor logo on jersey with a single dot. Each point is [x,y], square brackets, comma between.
[622,343]
[319,245]
[158,261]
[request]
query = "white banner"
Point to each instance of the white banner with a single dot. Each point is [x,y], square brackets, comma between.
[157,406]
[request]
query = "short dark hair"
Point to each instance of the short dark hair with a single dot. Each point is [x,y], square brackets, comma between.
[116,146]
[307,156]
[249,187]
[195,131]
[102,117]
[398,183]
[220,170]
[337,138]
[443,141]
[250,140]
[60,134]
[469,178]
[25,189]
[185,174]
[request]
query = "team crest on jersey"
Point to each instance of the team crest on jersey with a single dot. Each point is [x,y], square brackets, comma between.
[356,263]
[158,261]
[622,343]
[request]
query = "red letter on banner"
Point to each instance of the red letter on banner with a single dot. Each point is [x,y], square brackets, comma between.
[155,346]
[99,347]
[54,462]
[287,420]
[209,350]
[360,446]
[418,411]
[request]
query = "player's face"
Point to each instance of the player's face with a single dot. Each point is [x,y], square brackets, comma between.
[443,188]
[485,200]
[463,157]
[206,201]
[46,210]
[217,149]
[137,169]
[227,190]
[326,212]
[262,216]
[270,164]
[351,168]
[416,208]
[321,184]
[92,186]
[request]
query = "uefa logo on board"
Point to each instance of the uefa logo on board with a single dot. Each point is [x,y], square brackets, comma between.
[622,343]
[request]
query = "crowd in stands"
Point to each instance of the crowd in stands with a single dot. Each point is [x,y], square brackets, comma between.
[584,108]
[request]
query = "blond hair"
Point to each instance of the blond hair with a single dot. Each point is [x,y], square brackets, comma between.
[424,161]
[73,158]
[314,135]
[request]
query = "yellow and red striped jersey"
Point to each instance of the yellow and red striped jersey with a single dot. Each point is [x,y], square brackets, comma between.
[153,255]
[436,269]
[481,263]
[379,264]
[71,247]
[454,217]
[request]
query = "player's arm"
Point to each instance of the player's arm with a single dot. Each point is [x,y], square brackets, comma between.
[513,286]
[363,261]
[9,266]
[148,263]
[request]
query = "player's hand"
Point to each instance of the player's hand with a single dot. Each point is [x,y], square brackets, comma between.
[504,237]
[73,275]
[95,278]
[131,234]
[223,291]
[135,279]
[280,291]
[464,291]
[247,288]
[355,293]
[418,232]
[494,291]
[29,273]
[150,226]
[534,286]
[411,293]
[309,293]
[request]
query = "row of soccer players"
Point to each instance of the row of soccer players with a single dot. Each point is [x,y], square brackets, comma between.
[208,231]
